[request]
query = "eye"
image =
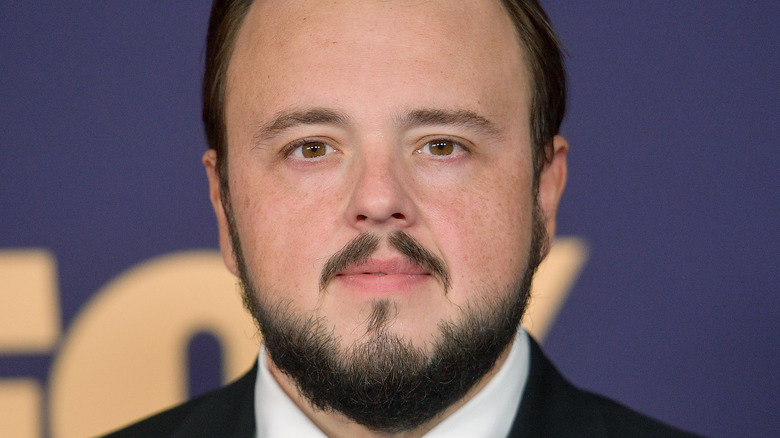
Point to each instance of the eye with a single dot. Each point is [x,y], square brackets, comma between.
[308,149]
[442,147]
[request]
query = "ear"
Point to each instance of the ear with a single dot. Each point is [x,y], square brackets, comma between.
[225,244]
[551,183]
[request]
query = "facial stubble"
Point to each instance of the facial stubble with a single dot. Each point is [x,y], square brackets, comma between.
[382,381]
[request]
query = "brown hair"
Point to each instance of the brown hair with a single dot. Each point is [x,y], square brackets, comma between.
[545,60]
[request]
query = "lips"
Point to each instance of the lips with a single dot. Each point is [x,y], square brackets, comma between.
[384,278]
[395,266]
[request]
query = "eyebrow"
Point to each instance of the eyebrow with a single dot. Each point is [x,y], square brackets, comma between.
[290,119]
[460,118]
[422,117]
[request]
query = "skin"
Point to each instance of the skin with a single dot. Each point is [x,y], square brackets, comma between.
[375,64]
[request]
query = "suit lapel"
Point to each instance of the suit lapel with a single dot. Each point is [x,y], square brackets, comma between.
[230,412]
[551,406]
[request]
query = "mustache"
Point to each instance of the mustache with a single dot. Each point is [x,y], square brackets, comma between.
[360,249]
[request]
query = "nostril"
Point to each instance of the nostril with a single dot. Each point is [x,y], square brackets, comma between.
[399,216]
[362,217]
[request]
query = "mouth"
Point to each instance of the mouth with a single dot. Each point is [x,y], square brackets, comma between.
[381,268]
[391,276]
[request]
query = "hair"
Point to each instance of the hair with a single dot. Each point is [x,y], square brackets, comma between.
[533,28]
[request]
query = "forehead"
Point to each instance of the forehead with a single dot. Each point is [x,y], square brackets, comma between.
[291,51]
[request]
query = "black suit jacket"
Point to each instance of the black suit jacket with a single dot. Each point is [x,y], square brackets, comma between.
[550,407]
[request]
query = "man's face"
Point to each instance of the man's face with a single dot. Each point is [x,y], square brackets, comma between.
[384,118]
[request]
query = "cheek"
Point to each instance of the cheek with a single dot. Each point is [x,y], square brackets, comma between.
[285,228]
[484,229]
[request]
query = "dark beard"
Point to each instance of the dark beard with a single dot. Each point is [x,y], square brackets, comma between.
[382,381]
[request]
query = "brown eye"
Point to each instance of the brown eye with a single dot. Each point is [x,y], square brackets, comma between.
[441,147]
[311,150]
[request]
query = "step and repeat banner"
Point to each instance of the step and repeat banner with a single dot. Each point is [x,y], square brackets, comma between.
[661,290]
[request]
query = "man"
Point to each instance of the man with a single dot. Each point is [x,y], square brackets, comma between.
[385,176]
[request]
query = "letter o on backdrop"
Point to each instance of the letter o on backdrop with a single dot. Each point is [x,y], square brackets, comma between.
[125,355]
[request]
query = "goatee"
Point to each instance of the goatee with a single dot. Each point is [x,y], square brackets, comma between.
[382,381]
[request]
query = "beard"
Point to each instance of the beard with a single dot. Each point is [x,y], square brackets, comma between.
[382,381]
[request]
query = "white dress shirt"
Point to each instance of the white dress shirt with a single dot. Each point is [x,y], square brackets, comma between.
[489,414]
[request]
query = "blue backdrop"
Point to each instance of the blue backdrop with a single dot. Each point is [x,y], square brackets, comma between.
[673,123]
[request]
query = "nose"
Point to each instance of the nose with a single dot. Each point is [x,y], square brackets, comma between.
[380,196]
